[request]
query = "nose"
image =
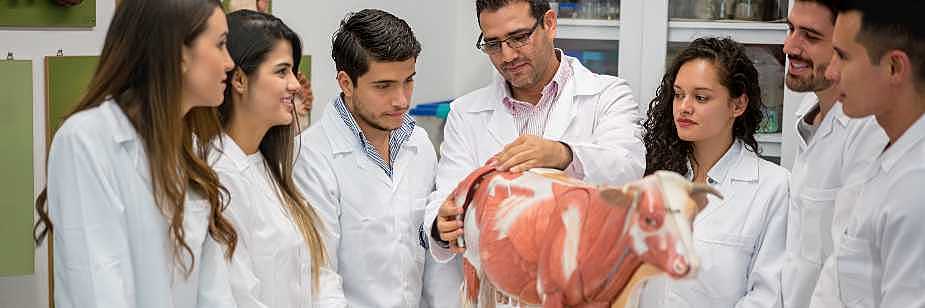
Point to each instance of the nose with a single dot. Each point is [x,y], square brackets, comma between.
[403,98]
[833,72]
[292,83]
[791,47]
[227,62]
[507,53]
[680,266]
[686,106]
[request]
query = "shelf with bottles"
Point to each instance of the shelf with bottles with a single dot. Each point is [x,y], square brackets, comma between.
[744,32]
[599,56]
[728,10]
[746,21]
[589,29]
[588,19]
[587,9]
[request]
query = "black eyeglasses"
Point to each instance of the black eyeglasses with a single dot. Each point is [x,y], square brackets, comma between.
[516,40]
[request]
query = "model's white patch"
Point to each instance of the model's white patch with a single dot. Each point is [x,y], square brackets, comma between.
[675,193]
[571,219]
[509,211]
[511,208]
[472,234]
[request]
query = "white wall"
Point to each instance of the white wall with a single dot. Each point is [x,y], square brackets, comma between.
[435,24]
[447,68]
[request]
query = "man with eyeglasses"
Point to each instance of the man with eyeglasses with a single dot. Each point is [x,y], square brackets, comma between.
[545,111]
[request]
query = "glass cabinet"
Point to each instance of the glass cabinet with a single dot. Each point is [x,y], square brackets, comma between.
[643,36]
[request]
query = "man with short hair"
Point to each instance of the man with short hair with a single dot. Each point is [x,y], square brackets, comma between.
[543,109]
[368,170]
[831,148]
[879,68]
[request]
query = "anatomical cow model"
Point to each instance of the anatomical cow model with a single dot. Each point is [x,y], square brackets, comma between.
[540,237]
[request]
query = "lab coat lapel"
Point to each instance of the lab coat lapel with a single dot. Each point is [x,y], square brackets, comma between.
[738,186]
[346,143]
[501,122]
[563,112]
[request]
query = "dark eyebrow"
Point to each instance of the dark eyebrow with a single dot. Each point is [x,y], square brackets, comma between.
[509,34]
[807,29]
[811,30]
[839,51]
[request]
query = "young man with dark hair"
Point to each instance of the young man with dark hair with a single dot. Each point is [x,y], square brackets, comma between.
[879,69]
[832,147]
[368,170]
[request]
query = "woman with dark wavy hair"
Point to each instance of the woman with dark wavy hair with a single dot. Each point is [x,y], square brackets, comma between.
[702,124]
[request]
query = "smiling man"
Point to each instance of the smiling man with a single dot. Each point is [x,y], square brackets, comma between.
[879,69]
[542,109]
[831,149]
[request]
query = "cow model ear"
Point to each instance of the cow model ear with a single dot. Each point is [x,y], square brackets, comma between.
[616,196]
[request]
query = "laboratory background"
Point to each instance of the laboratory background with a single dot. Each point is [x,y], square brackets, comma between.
[632,39]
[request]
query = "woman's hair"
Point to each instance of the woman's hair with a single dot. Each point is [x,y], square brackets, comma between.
[252,35]
[664,149]
[140,68]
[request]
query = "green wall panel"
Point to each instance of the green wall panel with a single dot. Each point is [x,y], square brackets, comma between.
[45,13]
[66,81]
[16,204]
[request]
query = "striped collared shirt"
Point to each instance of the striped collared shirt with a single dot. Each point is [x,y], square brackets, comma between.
[531,119]
[396,138]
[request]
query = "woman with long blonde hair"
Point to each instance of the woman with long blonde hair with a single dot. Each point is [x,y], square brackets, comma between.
[133,204]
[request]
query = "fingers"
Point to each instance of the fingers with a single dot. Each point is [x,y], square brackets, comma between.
[522,154]
[527,165]
[451,236]
[509,149]
[449,210]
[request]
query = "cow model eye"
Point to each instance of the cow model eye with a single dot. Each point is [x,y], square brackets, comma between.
[650,221]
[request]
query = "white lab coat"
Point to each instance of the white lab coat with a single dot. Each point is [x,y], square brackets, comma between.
[740,239]
[839,149]
[596,115]
[272,265]
[878,261]
[373,220]
[112,244]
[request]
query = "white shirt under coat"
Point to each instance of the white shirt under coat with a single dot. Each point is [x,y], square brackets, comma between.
[272,264]
[112,243]
[373,220]
[824,163]
[879,261]
[739,239]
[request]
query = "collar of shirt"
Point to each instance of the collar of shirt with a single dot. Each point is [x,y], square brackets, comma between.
[719,171]
[228,147]
[550,92]
[833,117]
[397,137]
[909,140]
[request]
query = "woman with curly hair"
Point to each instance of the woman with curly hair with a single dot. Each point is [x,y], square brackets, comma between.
[702,124]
